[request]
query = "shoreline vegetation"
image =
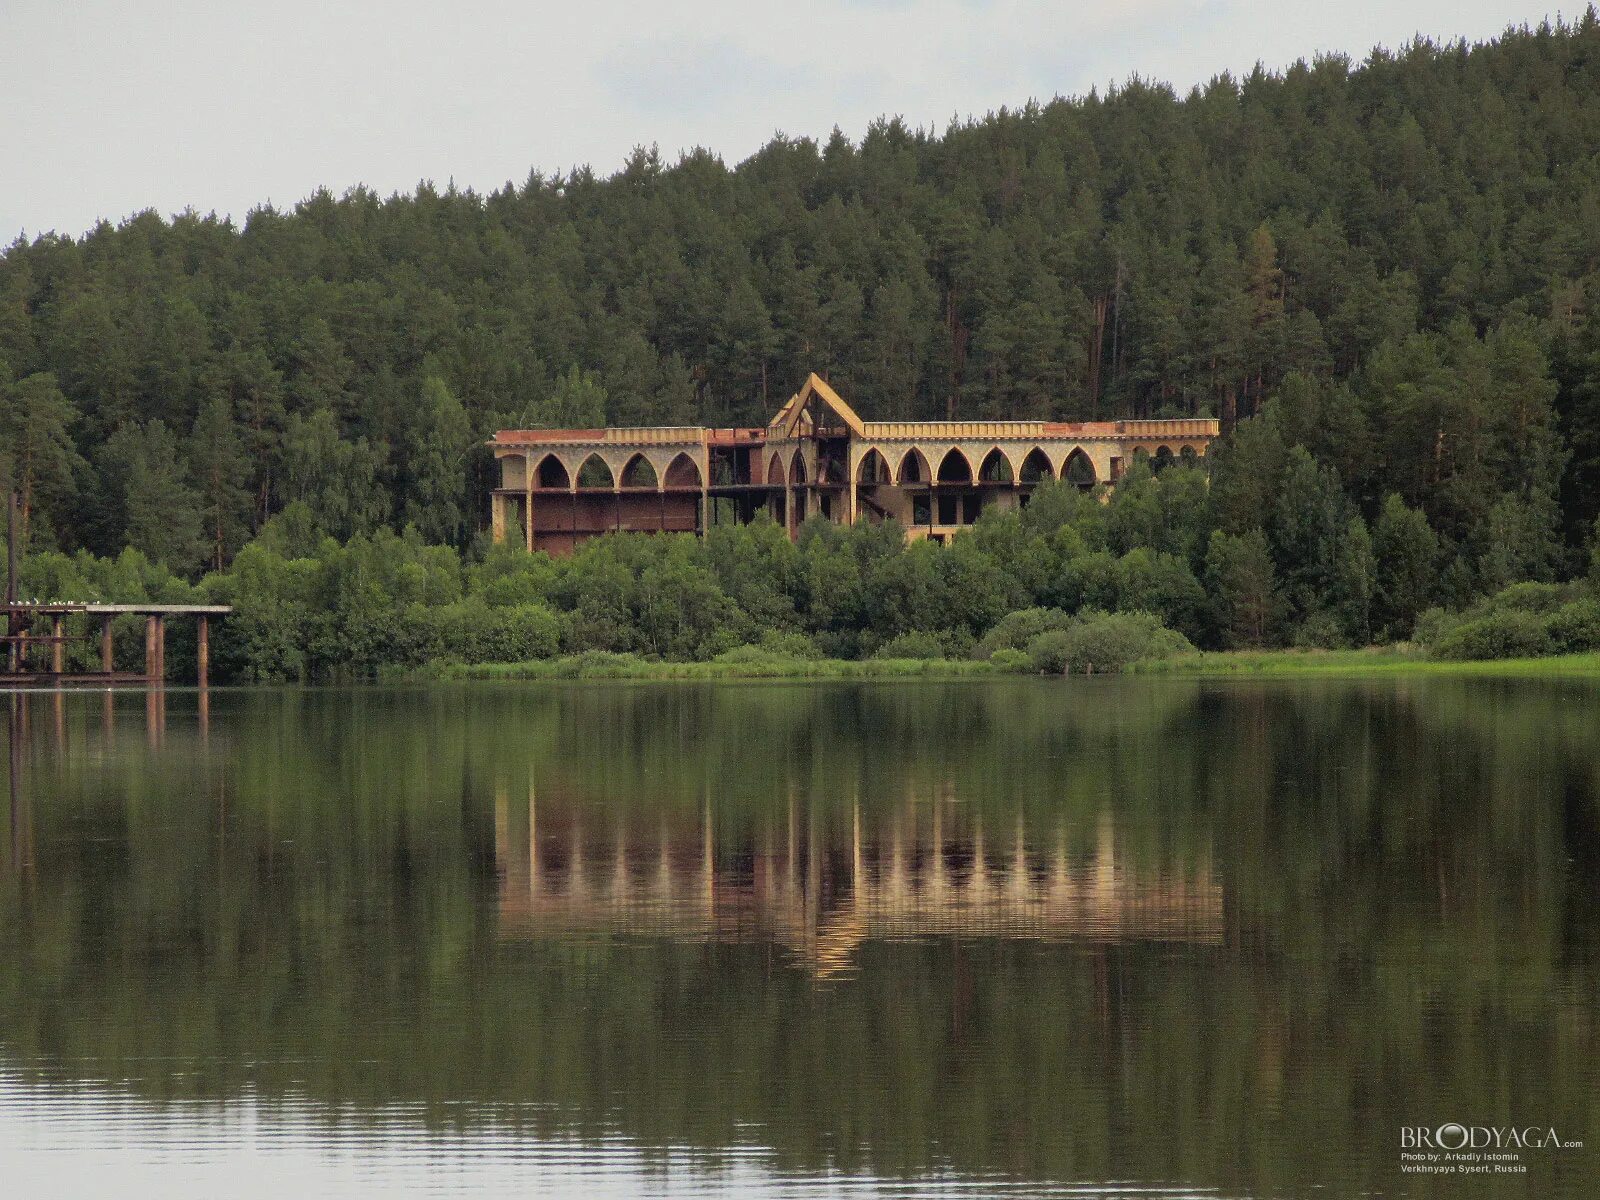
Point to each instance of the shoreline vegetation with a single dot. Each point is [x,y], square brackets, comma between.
[1288,663]
[1077,583]
[1375,660]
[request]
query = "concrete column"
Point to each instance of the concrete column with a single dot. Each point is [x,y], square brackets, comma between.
[527,488]
[107,661]
[150,664]
[497,518]
[58,646]
[203,644]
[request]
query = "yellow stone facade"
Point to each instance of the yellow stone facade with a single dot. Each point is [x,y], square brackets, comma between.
[815,457]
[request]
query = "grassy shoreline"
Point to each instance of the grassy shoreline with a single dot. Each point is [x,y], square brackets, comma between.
[628,667]
[1376,660]
[1236,663]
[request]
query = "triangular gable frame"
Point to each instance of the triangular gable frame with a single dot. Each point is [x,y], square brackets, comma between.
[789,416]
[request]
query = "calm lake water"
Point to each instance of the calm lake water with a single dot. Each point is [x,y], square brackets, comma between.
[1027,937]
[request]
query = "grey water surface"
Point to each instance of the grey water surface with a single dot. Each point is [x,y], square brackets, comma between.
[1144,937]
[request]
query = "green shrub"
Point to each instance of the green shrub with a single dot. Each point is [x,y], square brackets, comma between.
[1320,630]
[1540,598]
[1525,620]
[261,642]
[1051,651]
[789,644]
[520,633]
[757,656]
[601,664]
[512,590]
[1575,627]
[1015,630]
[1432,624]
[1508,633]
[1007,659]
[471,631]
[1104,642]
[914,644]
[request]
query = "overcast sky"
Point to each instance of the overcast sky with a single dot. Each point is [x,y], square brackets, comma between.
[109,107]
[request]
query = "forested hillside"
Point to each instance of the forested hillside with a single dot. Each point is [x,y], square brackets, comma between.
[1398,260]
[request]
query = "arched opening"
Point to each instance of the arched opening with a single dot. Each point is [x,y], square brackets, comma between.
[873,470]
[683,473]
[995,468]
[1188,457]
[797,480]
[639,473]
[552,473]
[1164,458]
[775,475]
[1078,470]
[596,473]
[1036,467]
[913,467]
[955,468]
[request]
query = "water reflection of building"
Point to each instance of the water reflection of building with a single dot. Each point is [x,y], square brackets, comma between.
[926,870]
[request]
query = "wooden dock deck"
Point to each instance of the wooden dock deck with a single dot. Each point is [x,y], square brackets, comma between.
[23,645]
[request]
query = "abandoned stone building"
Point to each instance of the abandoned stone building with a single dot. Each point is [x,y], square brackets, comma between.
[815,457]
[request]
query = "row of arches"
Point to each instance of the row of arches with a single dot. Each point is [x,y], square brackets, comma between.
[638,473]
[954,468]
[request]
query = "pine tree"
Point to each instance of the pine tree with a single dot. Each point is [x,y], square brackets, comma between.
[336,478]
[1265,343]
[1407,553]
[1308,519]
[35,422]
[1355,582]
[438,438]
[221,468]
[1518,545]
[576,401]
[155,510]
[1243,587]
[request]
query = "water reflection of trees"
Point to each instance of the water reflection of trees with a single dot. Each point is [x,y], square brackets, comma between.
[315,893]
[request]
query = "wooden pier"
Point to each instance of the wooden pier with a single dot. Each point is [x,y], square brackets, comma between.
[35,659]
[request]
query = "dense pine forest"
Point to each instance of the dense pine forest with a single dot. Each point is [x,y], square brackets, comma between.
[1384,277]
